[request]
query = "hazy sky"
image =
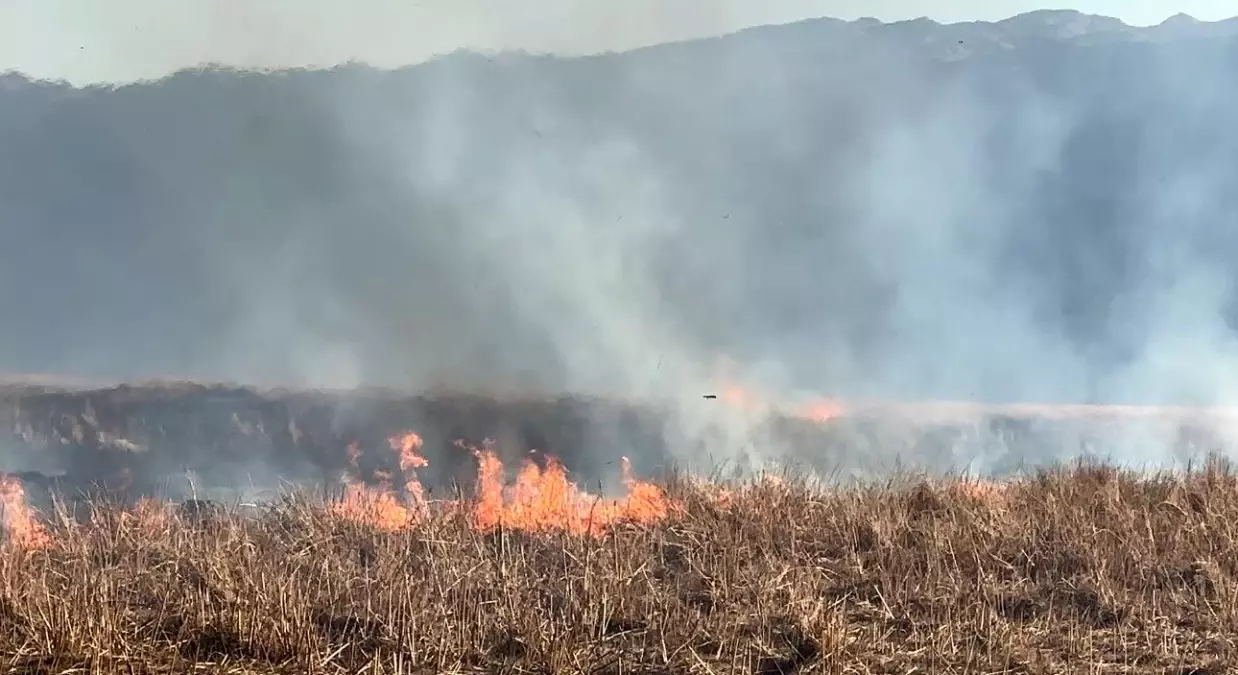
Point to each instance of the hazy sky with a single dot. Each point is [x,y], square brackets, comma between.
[89,40]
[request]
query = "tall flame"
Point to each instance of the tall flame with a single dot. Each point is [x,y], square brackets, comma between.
[544,500]
[23,528]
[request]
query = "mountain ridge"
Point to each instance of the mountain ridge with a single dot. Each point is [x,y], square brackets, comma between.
[1066,25]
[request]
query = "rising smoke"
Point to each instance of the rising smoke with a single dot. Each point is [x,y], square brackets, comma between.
[910,211]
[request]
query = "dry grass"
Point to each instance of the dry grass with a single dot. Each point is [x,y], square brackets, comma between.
[1079,571]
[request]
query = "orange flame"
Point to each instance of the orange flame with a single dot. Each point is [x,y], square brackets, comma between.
[544,500]
[379,506]
[374,506]
[539,500]
[408,445]
[24,529]
[742,398]
[821,410]
[988,491]
[149,515]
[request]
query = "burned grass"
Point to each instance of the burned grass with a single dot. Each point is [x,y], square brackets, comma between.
[1086,570]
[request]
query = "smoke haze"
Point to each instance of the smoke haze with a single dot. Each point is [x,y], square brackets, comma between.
[1037,210]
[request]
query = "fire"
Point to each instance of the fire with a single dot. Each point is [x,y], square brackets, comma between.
[375,506]
[539,500]
[21,523]
[820,411]
[379,505]
[544,500]
[988,491]
[148,515]
[743,399]
[408,445]
[824,410]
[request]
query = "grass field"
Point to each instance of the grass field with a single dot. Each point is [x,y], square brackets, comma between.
[1079,570]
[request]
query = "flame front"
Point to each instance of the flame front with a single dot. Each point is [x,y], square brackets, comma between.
[539,500]
[545,500]
[23,528]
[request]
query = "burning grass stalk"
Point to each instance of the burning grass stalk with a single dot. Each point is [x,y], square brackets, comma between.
[539,500]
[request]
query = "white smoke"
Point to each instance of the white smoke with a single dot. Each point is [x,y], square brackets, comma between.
[831,205]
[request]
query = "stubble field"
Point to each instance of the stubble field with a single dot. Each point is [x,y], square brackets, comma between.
[1084,569]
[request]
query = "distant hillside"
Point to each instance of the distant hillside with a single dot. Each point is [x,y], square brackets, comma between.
[1041,208]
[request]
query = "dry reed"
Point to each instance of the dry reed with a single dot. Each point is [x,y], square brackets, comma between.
[1080,570]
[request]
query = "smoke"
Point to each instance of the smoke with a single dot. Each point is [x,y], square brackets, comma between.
[902,212]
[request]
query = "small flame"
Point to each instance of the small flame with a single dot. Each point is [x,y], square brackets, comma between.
[148,515]
[820,411]
[741,398]
[408,445]
[988,491]
[23,527]
[379,505]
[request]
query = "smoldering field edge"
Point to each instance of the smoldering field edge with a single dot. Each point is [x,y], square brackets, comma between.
[186,440]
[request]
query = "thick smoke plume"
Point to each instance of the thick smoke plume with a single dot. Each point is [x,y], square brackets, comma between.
[1039,210]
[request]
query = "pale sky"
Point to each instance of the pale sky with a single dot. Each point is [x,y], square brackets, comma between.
[118,40]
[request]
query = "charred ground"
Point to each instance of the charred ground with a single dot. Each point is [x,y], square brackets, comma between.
[179,439]
[172,438]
